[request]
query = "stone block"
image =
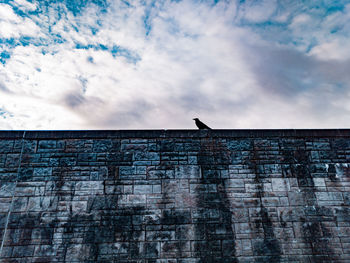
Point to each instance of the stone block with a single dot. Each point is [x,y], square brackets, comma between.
[105,145]
[4,207]
[12,160]
[86,157]
[187,172]
[143,189]
[36,204]
[79,207]
[45,251]
[152,249]
[280,184]
[6,146]
[127,170]
[7,189]
[251,188]
[22,251]
[45,145]
[42,172]
[160,235]
[20,204]
[319,182]
[296,198]
[234,183]
[156,189]
[137,199]
[146,156]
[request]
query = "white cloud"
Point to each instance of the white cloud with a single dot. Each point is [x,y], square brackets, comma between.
[336,49]
[42,114]
[7,14]
[195,62]
[25,5]
[333,37]
[13,26]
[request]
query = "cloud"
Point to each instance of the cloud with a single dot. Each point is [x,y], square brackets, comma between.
[3,88]
[332,50]
[304,88]
[13,26]
[258,11]
[158,64]
[24,5]
[74,100]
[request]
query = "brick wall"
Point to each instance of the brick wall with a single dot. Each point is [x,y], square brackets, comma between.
[175,196]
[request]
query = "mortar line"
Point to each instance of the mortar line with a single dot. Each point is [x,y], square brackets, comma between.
[13,195]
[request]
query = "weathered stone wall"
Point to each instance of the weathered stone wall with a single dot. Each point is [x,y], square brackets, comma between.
[175,196]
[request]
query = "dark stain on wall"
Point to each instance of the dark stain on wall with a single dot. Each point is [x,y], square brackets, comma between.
[332,173]
[216,241]
[268,249]
[313,231]
[107,231]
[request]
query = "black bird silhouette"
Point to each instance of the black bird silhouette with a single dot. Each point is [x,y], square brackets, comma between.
[201,125]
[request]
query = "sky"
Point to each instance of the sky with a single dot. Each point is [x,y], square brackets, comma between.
[105,64]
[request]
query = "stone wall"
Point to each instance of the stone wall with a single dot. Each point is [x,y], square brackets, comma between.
[175,196]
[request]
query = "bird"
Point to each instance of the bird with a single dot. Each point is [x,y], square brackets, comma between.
[201,125]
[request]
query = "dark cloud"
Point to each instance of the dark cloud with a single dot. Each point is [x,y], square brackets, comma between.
[311,84]
[126,114]
[77,100]
[194,100]
[74,100]
[3,88]
[280,71]
[289,73]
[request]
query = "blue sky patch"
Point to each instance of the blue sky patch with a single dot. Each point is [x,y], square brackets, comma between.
[118,51]
[115,50]
[75,6]
[5,114]
[4,56]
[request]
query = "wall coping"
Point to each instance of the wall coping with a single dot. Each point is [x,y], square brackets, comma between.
[127,134]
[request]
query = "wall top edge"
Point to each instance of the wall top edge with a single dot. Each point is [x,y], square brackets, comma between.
[126,134]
